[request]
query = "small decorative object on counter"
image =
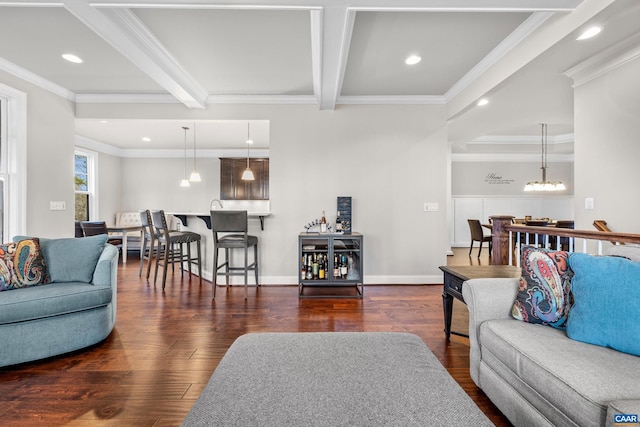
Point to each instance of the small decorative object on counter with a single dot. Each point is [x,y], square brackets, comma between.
[323,224]
[316,226]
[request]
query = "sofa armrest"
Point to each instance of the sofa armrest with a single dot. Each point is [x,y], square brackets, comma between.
[486,299]
[631,407]
[106,270]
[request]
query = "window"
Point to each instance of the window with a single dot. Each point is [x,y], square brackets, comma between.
[3,165]
[233,188]
[13,162]
[84,176]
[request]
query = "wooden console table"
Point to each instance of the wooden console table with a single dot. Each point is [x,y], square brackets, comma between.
[454,276]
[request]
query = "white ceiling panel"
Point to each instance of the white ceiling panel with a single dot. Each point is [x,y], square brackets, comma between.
[35,38]
[238,52]
[450,45]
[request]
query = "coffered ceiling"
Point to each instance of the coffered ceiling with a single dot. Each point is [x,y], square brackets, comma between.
[323,52]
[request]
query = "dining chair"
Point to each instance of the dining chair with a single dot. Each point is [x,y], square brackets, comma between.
[477,235]
[79,232]
[148,248]
[94,228]
[230,231]
[170,248]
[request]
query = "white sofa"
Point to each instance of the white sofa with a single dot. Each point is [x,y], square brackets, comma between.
[535,374]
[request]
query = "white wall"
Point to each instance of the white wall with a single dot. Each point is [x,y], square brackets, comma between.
[390,159]
[607,148]
[110,183]
[50,147]
[481,208]
[505,178]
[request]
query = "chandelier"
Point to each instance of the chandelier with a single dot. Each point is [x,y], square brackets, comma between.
[544,185]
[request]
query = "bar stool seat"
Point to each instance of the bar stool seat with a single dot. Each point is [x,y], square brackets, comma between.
[170,248]
[234,222]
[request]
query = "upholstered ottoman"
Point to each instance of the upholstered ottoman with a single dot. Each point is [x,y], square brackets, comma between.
[332,379]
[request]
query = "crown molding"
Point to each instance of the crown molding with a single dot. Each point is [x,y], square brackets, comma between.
[155,153]
[393,99]
[521,139]
[509,158]
[35,79]
[262,99]
[126,98]
[605,61]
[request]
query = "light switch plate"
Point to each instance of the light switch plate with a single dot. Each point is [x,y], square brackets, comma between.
[431,207]
[57,206]
[589,203]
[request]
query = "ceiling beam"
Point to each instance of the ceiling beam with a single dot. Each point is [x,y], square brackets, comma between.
[125,33]
[549,33]
[330,40]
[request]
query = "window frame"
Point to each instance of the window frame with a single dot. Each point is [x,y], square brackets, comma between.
[13,163]
[92,187]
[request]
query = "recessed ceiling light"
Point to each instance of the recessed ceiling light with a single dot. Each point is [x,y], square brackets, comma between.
[589,32]
[72,58]
[146,139]
[412,60]
[483,101]
[103,121]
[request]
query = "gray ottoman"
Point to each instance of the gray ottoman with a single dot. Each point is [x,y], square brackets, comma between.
[332,379]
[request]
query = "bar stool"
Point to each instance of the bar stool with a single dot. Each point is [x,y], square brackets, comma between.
[233,222]
[167,252]
[147,249]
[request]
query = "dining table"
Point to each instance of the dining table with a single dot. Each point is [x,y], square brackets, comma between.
[122,231]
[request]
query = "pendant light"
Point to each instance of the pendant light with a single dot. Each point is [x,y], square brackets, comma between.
[247,175]
[544,185]
[195,176]
[185,181]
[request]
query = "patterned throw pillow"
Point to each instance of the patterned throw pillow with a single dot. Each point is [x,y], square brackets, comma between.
[544,295]
[22,265]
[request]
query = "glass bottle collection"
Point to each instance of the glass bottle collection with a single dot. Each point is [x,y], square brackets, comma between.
[315,266]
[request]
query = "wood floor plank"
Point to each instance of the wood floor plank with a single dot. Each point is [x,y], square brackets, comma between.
[166,345]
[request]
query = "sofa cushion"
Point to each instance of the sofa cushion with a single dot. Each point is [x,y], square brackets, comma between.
[73,259]
[607,302]
[552,371]
[22,265]
[45,301]
[544,295]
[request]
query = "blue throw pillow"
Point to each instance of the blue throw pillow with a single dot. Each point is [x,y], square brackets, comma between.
[606,307]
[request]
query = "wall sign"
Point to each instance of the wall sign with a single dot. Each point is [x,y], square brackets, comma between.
[493,178]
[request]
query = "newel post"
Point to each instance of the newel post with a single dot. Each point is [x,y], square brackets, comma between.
[500,240]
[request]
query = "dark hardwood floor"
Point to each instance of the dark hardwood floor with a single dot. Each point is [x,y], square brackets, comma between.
[165,346]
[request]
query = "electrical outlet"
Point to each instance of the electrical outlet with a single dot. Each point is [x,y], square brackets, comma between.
[57,206]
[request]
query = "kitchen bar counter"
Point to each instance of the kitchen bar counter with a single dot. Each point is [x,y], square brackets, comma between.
[206,217]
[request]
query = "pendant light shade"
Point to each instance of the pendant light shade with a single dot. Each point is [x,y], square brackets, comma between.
[185,181]
[544,185]
[247,175]
[195,175]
